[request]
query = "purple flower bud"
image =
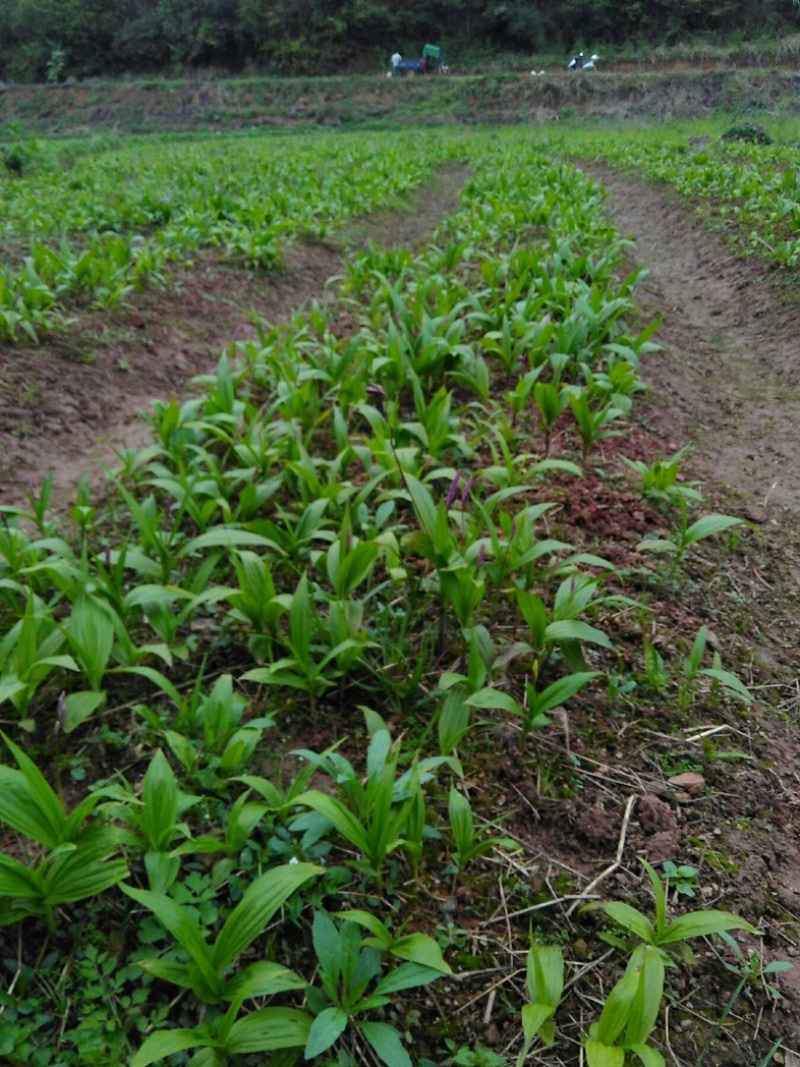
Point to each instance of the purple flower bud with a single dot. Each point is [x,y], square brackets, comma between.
[466,490]
[481,555]
[513,529]
[453,490]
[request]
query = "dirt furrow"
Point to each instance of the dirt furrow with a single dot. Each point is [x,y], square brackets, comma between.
[731,349]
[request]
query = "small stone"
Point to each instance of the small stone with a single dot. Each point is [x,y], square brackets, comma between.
[691,782]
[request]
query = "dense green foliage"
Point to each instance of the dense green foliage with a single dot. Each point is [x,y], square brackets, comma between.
[749,189]
[53,39]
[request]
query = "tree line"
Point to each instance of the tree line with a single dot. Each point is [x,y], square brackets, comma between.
[51,40]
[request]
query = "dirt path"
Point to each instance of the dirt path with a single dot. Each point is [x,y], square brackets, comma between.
[731,350]
[725,381]
[69,404]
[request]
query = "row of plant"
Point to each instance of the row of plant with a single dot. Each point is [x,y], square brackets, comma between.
[119,219]
[340,529]
[744,183]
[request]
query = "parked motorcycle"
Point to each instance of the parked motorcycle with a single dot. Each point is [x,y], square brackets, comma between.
[579,63]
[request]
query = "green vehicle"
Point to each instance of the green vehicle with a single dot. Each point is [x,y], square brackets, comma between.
[432,61]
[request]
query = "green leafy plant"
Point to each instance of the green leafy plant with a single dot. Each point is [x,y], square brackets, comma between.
[629,1014]
[682,879]
[207,973]
[469,845]
[692,671]
[351,984]
[662,934]
[688,534]
[78,861]
[380,814]
[544,984]
[154,822]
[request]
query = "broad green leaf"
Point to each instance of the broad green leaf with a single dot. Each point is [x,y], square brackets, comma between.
[559,692]
[534,1022]
[90,630]
[262,979]
[614,1015]
[180,923]
[370,922]
[657,544]
[573,630]
[78,876]
[159,803]
[17,880]
[226,537]
[708,526]
[386,1043]
[326,1029]
[338,815]
[461,823]
[649,1056]
[166,1043]
[162,870]
[28,803]
[600,1055]
[328,946]
[80,706]
[255,910]
[545,974]
[160,680]
[422,949]
[703,923]
[731,682]
[300,626]
[268,1029]
[167,971]
[406,976]
[423,504]
[647,1001]
[496,699]
[378,752]
[630,919]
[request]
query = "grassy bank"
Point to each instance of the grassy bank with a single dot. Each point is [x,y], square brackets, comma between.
[159,105]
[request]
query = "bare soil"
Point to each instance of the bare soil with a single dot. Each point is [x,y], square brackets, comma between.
[722,381]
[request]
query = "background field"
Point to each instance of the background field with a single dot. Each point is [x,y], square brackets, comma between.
[407,630]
